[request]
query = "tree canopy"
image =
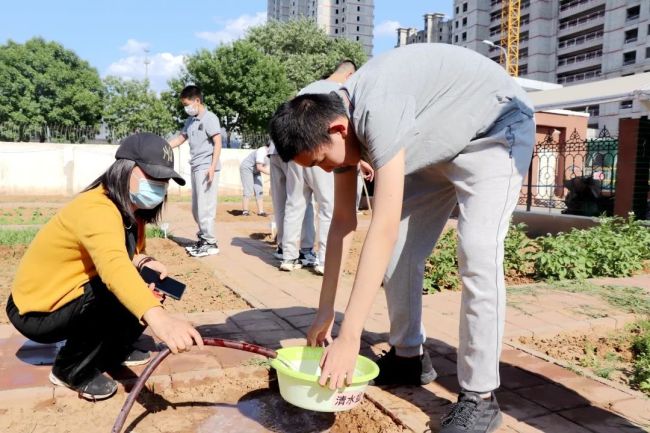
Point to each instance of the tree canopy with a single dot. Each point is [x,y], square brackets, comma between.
[42,82]
[131,106]
[239,83]
[305,50]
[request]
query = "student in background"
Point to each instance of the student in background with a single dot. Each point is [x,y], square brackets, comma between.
[203,132]
[250,171]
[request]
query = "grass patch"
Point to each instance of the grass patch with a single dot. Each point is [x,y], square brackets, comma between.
[153,231]
[26,216]
[18,236]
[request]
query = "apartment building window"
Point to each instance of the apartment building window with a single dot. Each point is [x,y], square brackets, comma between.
[358,28]
[465,22]
[631,35]
[440,38]
[456,38]
[523,69]
[629,58]
[358,8]
[633,13]
[464,7]
[336,11]
[358,18]
[336,31]
[464,36]
[626,104]
[336,21]
[456,24]
[357,38]
[647,53]
[457,10]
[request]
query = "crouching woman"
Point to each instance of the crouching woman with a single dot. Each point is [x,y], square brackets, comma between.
[79,282]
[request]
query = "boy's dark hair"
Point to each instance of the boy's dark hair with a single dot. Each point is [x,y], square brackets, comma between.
[192,92]
[116,181]
[302,123]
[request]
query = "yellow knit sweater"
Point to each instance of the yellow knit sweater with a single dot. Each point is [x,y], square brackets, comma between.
[84,239]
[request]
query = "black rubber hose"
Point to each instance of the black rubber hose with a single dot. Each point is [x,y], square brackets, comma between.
[219,342]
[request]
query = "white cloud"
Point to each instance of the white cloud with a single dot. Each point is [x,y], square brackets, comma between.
[233,29]
[162,67]
[387,28]
[133,46]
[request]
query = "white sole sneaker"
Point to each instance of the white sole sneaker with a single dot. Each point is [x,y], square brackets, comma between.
[320,270]
[290,266]
[204,252]
[58,382]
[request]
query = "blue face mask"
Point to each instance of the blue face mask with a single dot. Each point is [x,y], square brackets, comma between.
[150,193]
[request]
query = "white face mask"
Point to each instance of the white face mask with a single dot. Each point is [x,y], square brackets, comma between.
[191,110]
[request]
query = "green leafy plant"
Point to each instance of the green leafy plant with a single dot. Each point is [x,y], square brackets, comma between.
[641,351]
[519,251]
[616,247]
[441,268]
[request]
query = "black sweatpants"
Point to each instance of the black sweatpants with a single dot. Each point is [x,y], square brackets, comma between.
[99,331]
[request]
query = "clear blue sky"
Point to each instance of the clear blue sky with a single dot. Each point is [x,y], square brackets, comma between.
[112,35]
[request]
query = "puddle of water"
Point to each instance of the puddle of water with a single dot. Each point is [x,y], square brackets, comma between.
[265,412]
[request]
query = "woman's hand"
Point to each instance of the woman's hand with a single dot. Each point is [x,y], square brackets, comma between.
[158,267]
[178,334]
[338,362]
[320,331]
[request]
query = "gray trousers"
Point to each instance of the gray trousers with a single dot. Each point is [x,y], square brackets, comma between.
[279,197]
[303,183]
[485,180]
[204,203]
[251,182]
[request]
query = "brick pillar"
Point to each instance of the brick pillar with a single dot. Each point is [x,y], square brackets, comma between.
[633,167]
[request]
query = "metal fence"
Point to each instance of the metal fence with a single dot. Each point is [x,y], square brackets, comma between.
[102,134]
[574,176]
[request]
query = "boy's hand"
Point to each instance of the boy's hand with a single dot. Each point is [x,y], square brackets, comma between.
[320,331]
[209,177]
[338,362]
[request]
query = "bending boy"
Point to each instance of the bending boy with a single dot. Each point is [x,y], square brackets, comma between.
[440,125]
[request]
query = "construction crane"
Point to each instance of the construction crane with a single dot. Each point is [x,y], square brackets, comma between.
[510,25]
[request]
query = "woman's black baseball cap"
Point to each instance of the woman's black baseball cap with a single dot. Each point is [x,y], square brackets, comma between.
[152,154]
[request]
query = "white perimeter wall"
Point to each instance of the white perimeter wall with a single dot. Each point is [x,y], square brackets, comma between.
[65,169]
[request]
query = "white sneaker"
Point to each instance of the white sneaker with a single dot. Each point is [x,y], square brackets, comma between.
[278,254]
[290,265]
[319,269]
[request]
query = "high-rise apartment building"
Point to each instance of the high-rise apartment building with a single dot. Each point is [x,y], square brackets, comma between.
[565,42]
[350,19]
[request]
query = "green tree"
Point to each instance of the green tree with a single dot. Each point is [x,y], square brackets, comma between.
[42,82]
[304,49]
[131,107]
[239,83]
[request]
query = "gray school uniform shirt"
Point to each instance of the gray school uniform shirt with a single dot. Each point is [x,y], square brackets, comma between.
[199,131]
[320,86]
[430,99]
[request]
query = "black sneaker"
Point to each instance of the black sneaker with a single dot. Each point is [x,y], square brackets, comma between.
[99,387]
[205,249]
[472,414]
[137,357]
[194,246]
[399,370]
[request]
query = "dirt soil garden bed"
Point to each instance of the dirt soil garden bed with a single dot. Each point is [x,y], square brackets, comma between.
[239,402]
[605,353]
[204,293]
